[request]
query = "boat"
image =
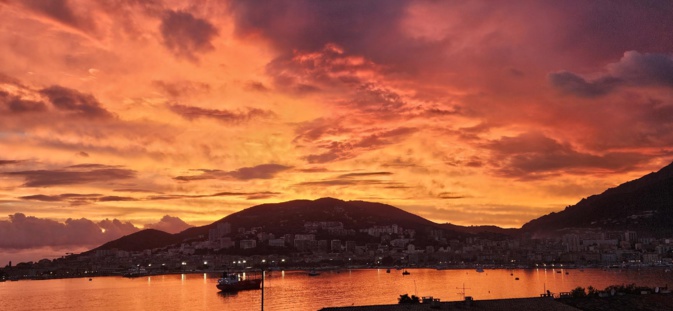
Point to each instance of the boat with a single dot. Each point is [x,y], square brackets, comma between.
[387,270]
[406,272]
[135,272]
[516,279]
[233,283]
[313,273]
[480,270]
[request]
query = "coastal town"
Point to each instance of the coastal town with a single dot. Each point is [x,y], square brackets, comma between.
[331,245]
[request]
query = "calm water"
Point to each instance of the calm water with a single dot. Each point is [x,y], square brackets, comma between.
[296,291]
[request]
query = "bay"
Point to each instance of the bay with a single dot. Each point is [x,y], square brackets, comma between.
[295,290]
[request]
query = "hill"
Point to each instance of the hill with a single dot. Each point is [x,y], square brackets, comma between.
[141,240]
[289,218]
[644,205]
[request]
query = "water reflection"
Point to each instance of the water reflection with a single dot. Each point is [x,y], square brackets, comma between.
[295,290]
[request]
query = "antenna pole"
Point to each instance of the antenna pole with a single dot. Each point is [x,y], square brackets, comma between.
[262,289]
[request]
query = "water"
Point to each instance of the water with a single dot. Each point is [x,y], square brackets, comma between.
[295,290]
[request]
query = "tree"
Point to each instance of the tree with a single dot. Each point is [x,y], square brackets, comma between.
[578,292]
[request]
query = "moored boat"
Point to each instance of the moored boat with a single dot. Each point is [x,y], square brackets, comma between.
[313,273]
[233,283]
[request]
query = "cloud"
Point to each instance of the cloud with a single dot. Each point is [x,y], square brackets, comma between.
[633,69]
[355,179]
[72,176]
[256,86]
[11,104]
[225,116]
[169,224]
[571,83]
[178,89]
[72,101]
[185,35]
[9,162]
[62,12]
[365,174]
[533,155]
[343,150]
[263,171]
[21,231]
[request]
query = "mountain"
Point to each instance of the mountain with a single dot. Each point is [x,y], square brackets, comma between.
[289,218]
[644,205]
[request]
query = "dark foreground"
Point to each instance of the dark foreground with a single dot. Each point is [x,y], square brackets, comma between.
[651,302]
[523,304]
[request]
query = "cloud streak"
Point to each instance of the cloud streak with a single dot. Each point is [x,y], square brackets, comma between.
[262,171]
[72,176]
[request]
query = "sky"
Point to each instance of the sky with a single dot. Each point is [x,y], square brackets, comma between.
[119,115]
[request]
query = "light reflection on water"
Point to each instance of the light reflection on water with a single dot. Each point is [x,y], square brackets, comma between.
[295,290]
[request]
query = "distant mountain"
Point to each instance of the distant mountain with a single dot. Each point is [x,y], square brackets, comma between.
[644,205]
[289,217]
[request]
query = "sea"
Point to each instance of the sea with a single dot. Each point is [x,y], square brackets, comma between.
[296,290]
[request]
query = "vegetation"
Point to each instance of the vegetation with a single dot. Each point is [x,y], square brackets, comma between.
[405,299]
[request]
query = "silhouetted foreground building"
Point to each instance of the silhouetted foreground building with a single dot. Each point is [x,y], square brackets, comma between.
[519,304]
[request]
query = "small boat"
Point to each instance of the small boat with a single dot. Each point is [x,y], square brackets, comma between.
[559,271]
[406,272]
[313,273]
[516,279]
[480,270]
[233,283]
[387,270]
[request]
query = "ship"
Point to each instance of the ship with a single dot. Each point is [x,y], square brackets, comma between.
[230,282]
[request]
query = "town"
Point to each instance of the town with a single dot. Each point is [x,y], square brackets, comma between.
[330,245]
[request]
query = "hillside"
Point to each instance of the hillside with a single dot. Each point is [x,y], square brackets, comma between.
[644,204]
[289,217]
[141,240]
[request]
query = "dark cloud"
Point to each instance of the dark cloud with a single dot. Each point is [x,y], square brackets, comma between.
[22,231]
[72,176]
[76,199]
[633,69]
[533,155]
[182,88]
[185,35]
[72,101]
[450,196]
[363,27]
[646,69]
[256,86]
[247,195]
[10,104]
[355,179]
[604,29]
[263,171]
[365,174]
[169,224]
[225,116]
[345,182]
[571,83]
[9,162]
[114,198]
[60,11]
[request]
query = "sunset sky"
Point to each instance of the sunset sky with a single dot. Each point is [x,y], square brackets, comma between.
[118,115]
